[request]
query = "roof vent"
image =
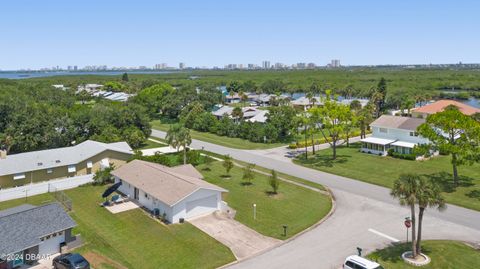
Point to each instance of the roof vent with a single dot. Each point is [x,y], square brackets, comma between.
[57,161]
[39,164]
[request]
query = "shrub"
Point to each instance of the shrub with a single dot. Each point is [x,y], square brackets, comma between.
[274,182]
[404,156]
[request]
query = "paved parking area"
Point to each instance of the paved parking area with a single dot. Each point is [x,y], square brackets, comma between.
[243,241]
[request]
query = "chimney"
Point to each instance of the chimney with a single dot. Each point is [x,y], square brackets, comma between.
[3,154]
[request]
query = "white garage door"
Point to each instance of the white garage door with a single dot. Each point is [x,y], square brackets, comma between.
[51,245]
[201,206]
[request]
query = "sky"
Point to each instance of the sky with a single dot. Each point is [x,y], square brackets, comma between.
[36,34]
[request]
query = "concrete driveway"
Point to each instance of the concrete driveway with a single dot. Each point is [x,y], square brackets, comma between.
[243,241]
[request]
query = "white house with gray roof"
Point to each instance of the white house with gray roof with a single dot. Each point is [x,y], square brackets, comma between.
[399,133]
[32,232]
[178,192]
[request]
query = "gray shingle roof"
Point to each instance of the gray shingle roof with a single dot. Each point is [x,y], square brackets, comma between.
[397,122]
[50,158]
[24,229]
[164,183]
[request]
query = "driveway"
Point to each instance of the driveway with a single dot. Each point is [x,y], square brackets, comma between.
[243,241]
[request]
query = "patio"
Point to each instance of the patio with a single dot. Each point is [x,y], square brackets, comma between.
[122,207]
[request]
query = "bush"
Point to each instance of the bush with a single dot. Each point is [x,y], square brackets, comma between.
[411,157]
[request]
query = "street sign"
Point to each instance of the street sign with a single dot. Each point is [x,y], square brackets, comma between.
[408,223]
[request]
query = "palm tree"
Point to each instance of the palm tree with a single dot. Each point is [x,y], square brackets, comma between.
[311,98]
[405,189]
[429,195]
[237,113]
[179,136]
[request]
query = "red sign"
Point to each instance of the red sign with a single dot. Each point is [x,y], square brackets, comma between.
[408,223]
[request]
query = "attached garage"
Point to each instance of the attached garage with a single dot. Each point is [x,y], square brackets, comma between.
[176,192]
[51,244]
[201,206]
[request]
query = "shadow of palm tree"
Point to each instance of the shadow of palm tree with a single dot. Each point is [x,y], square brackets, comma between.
[446,181]
[393,253]
[475,194]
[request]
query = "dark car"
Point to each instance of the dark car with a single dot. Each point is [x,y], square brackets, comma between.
[70,261]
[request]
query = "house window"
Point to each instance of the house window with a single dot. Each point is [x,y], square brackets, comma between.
[89,164]
[19,176]
[383,130]
[72,169]
[49,170]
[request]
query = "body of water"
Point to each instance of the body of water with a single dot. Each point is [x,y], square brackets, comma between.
[24,75]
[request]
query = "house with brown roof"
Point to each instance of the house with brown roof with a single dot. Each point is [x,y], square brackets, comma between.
[393,132]
[176,192]
[439,106]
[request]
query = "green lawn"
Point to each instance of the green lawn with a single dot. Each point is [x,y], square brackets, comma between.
[295,206]
[385,170]
[444,255]
[226,141]
[135,240]
[148,144]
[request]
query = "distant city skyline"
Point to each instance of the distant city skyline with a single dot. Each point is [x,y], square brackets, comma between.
[217,33]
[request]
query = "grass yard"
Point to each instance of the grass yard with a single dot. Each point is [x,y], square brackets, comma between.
[226,141]
[385,170]
[148,144]
[134,240]
[295,206]
[444,255]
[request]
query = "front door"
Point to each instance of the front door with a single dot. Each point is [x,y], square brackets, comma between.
[135,193]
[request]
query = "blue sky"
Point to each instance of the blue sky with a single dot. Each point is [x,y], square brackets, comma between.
[37,34]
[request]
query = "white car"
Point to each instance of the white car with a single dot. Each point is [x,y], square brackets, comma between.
[357,262]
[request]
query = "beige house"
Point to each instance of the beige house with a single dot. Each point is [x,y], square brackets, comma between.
[82,159]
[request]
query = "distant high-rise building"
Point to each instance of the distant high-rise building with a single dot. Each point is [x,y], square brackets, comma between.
[279,66]
[335,63]
[301,65]
[161,66]
[251,66]
[266,65]
[181,65]
[75,68]
[311,66]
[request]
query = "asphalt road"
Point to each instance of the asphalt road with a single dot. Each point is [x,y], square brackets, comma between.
[366,216]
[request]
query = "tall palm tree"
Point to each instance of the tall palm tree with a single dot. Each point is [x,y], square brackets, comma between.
[405,189]
[178,136]
[184,141]
[429,195]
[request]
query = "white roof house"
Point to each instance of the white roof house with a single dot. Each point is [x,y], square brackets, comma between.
[51,158]
[251,114]
[178,192]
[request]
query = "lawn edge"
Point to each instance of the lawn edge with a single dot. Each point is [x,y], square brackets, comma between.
[318,223]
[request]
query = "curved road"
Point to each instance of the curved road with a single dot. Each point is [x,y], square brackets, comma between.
[366,216]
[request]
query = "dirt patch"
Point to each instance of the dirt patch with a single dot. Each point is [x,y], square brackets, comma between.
[99,261]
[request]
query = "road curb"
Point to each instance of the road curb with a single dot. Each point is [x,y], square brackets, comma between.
[325,218]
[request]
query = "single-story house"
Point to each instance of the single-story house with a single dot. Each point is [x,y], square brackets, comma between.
[439,106]
[29,233]
[43,165]
[176,192]
[251,114]
[399,133]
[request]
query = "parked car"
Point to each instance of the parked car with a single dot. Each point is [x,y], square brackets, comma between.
[70,261]
[357,262]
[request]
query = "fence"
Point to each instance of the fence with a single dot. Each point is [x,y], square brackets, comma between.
[44,187]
